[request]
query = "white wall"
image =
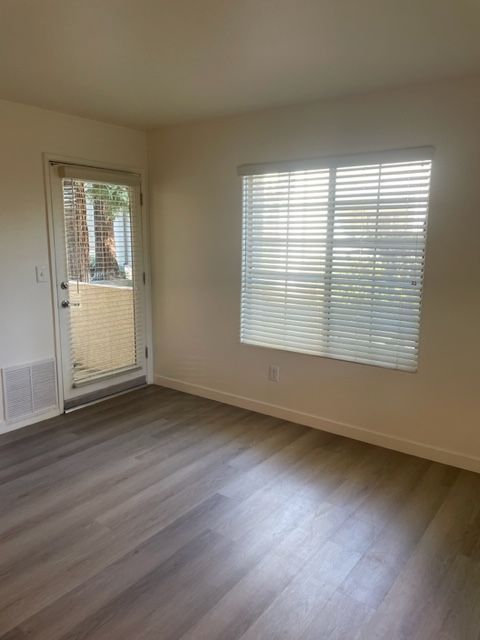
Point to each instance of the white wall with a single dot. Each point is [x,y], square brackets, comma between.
[26,322]
[196,217]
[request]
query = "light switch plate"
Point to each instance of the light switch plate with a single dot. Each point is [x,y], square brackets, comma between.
[41,273]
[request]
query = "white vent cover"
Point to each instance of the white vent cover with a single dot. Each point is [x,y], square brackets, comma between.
[29,390]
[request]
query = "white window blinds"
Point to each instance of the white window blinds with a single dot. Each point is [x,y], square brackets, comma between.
[333,256]
[102,238]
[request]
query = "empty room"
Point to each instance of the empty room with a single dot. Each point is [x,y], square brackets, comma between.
[239,320]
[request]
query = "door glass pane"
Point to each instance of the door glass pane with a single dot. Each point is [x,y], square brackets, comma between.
[100,265]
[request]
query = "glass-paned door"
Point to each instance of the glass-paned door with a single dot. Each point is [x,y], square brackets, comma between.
[101,287]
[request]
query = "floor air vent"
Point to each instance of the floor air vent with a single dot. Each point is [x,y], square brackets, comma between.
[29,390]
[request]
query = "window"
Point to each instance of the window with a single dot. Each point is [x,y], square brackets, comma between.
[333,256]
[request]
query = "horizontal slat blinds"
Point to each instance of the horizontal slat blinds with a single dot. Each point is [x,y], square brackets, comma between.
[93,174]
[102,243]
[333,260]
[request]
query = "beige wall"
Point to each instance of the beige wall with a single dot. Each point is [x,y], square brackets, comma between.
[26,323]
[196,216]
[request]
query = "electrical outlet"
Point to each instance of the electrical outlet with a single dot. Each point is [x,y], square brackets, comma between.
[274,373]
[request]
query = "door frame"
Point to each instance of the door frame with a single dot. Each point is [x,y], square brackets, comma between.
[48,158]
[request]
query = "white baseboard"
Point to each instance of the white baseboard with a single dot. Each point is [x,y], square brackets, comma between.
[403,445]
[5,428]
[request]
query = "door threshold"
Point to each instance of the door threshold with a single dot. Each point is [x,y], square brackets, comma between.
[97,396]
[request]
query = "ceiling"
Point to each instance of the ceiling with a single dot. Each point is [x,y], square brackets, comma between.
[149,62]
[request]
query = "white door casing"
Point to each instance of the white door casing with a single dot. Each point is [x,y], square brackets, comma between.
[101,311]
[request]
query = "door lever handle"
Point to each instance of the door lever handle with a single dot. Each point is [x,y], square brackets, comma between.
[65,303]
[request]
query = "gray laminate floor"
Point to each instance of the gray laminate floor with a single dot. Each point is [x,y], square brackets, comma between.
[158,515]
